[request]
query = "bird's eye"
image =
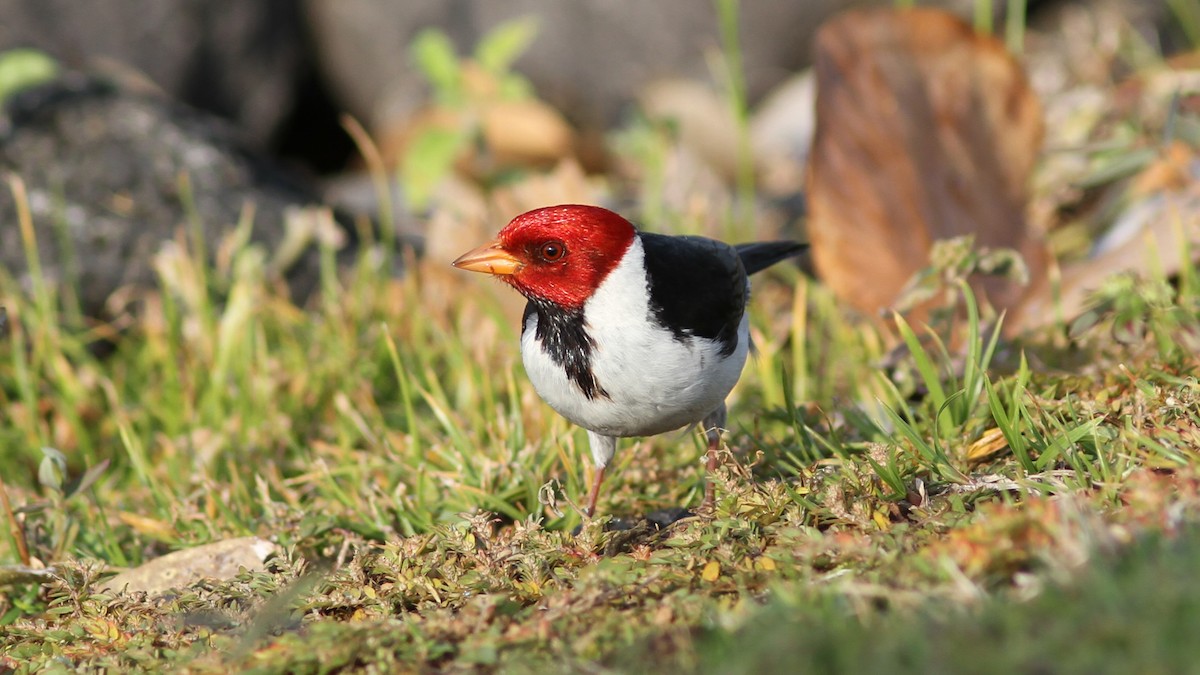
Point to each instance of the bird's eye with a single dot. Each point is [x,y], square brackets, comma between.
[552,251]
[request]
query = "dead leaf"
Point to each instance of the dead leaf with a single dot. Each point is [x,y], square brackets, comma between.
[925,131]
[150,527]
[219,560]
[664,615]
[712,571]
[1172,170]
[1159,229]
[991,442]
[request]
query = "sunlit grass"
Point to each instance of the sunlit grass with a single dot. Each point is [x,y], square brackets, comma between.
[426,501]
[394,412]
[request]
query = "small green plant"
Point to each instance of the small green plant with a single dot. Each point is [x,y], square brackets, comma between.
[1136,311]
[956,404]
[461,85]
[735,93]
[1037,447]
[24,68]
[1187,14]
[953,393]
[62,527]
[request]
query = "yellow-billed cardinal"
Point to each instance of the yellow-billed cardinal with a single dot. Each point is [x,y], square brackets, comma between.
[627,333]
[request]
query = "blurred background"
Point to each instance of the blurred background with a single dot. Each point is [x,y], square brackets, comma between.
[680,110]
[284,71]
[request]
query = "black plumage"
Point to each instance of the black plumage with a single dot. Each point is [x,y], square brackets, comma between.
[697,288]
[698,285]
[564,337]
[759,255]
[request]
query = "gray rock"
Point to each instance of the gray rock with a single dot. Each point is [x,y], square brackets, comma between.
[102,168]
[589,59]
[219,561]
[241,60]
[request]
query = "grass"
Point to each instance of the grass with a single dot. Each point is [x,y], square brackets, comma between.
[1011,505]
[389,427]
[1123,613]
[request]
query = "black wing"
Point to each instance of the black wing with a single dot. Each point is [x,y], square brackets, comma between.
[697,287]
[760,255]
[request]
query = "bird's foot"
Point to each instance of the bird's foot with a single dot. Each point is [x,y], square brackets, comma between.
[653,521]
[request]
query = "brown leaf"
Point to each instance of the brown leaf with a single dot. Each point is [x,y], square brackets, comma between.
[986,446]
[518,133]
[1171,171]
[925,131]
[151,527]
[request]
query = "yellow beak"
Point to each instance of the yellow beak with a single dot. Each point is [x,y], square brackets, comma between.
[491,258]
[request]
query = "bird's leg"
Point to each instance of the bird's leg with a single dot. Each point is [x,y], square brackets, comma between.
[597,479]
[713,425]
[603,448]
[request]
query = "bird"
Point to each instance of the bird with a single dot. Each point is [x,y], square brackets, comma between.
[628,333]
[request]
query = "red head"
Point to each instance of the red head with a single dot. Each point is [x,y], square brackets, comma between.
[558,253]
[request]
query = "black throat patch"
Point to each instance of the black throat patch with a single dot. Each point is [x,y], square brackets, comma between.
[564,337]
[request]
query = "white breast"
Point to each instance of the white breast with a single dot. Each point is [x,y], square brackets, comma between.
[650,376]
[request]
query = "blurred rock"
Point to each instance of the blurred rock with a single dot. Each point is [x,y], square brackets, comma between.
[781,133]
[702,123]
[219,561]
[241,60]
[589,59]
[703,120]
[103,171]
[525,133]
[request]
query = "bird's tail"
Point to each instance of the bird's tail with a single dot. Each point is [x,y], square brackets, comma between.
[760,255]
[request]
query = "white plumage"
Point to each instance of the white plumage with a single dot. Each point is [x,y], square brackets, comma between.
[649,374]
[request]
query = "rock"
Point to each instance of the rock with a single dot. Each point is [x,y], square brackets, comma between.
[702,118]
[240,60]
[102,168]
[589,59]
[781,133]
[219,561]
